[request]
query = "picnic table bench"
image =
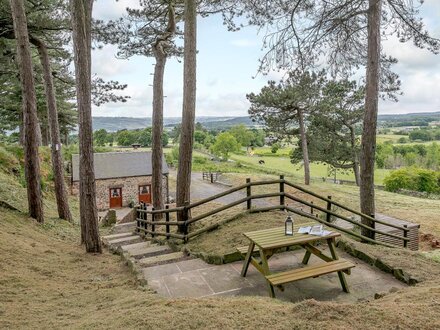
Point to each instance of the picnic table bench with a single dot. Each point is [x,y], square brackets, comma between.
[267,241]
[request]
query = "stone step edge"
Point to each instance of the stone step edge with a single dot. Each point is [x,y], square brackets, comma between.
[158,252]
[160,259]
[115,236]
[134,246]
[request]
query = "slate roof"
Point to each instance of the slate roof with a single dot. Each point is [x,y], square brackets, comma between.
[110,165]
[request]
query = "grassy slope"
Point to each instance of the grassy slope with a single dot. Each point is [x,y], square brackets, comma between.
[47,281]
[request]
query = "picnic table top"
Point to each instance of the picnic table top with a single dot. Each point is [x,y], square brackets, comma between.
[276,238]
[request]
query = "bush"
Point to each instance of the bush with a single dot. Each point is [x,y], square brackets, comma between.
[413,178]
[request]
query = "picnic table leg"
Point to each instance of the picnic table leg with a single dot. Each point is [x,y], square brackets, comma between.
[341,275]
[306,258]
[247,260]
[265,268]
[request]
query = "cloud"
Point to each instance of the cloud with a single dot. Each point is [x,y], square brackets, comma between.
[108,9]
[227,104]
[420,94]
[106,65]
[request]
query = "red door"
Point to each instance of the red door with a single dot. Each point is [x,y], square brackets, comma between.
[145,193]
[115,197]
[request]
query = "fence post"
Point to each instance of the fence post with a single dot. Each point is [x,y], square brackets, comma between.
[167,219]
[248,195]
[212,177]
[329,208]
[138,216]
[282,190]
[143,216]
[153,227]
[185,218]
[405,234]
[373,225]
[311,208]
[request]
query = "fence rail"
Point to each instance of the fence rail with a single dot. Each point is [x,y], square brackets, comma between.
[211,176]
[149,219]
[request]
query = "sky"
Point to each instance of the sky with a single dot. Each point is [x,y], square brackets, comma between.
[227,70]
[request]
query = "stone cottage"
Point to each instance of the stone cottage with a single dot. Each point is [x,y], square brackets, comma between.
[122,178]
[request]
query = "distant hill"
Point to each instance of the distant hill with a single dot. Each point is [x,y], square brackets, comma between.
[409,119]
[114,124]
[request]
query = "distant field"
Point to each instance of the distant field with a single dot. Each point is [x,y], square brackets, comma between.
[283,165]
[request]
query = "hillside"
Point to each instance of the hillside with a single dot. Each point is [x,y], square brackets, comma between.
[409,119]
[48,281]
[113,124]
[45,271]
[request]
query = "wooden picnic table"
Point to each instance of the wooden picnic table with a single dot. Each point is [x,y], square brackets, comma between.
[267,241]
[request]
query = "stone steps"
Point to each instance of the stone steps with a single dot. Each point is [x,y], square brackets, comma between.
[159,259]
[115,243]
[139,254]
[128,227]
[149,251]
[106,239]
[134,246]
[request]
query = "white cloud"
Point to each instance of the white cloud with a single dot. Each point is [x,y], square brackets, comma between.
[110,9]
[106,65]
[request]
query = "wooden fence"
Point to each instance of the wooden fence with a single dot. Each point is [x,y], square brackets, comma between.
[148,220]
[211,176]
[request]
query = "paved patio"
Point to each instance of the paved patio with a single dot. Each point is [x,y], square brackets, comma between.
[195,278]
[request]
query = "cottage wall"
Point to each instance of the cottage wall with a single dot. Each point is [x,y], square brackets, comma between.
[129,187]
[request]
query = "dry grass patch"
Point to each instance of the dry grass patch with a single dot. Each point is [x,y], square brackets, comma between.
[47,281]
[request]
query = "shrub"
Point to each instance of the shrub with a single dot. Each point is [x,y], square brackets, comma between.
[413,178]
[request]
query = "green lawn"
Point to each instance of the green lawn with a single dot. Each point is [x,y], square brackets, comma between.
[284,166]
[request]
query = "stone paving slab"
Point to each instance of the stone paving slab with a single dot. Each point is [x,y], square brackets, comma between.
[195,278]
[157,272]
[188,284]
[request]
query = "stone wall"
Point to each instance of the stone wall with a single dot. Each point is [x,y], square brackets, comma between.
[129,187]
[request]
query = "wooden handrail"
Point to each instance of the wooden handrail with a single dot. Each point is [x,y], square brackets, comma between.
[344,207]
[171,223]
[304,214]
[230,191]
[345,218]
[180,236]
[174,209]
[249,198]
[225,207]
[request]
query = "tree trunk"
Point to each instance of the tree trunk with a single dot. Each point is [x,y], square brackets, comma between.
[355,155]
[189,107]
[52,119]
[156,141]
[81,11]
[305,149]
[368,146]
[159,49]
[30,120]
[44,134]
